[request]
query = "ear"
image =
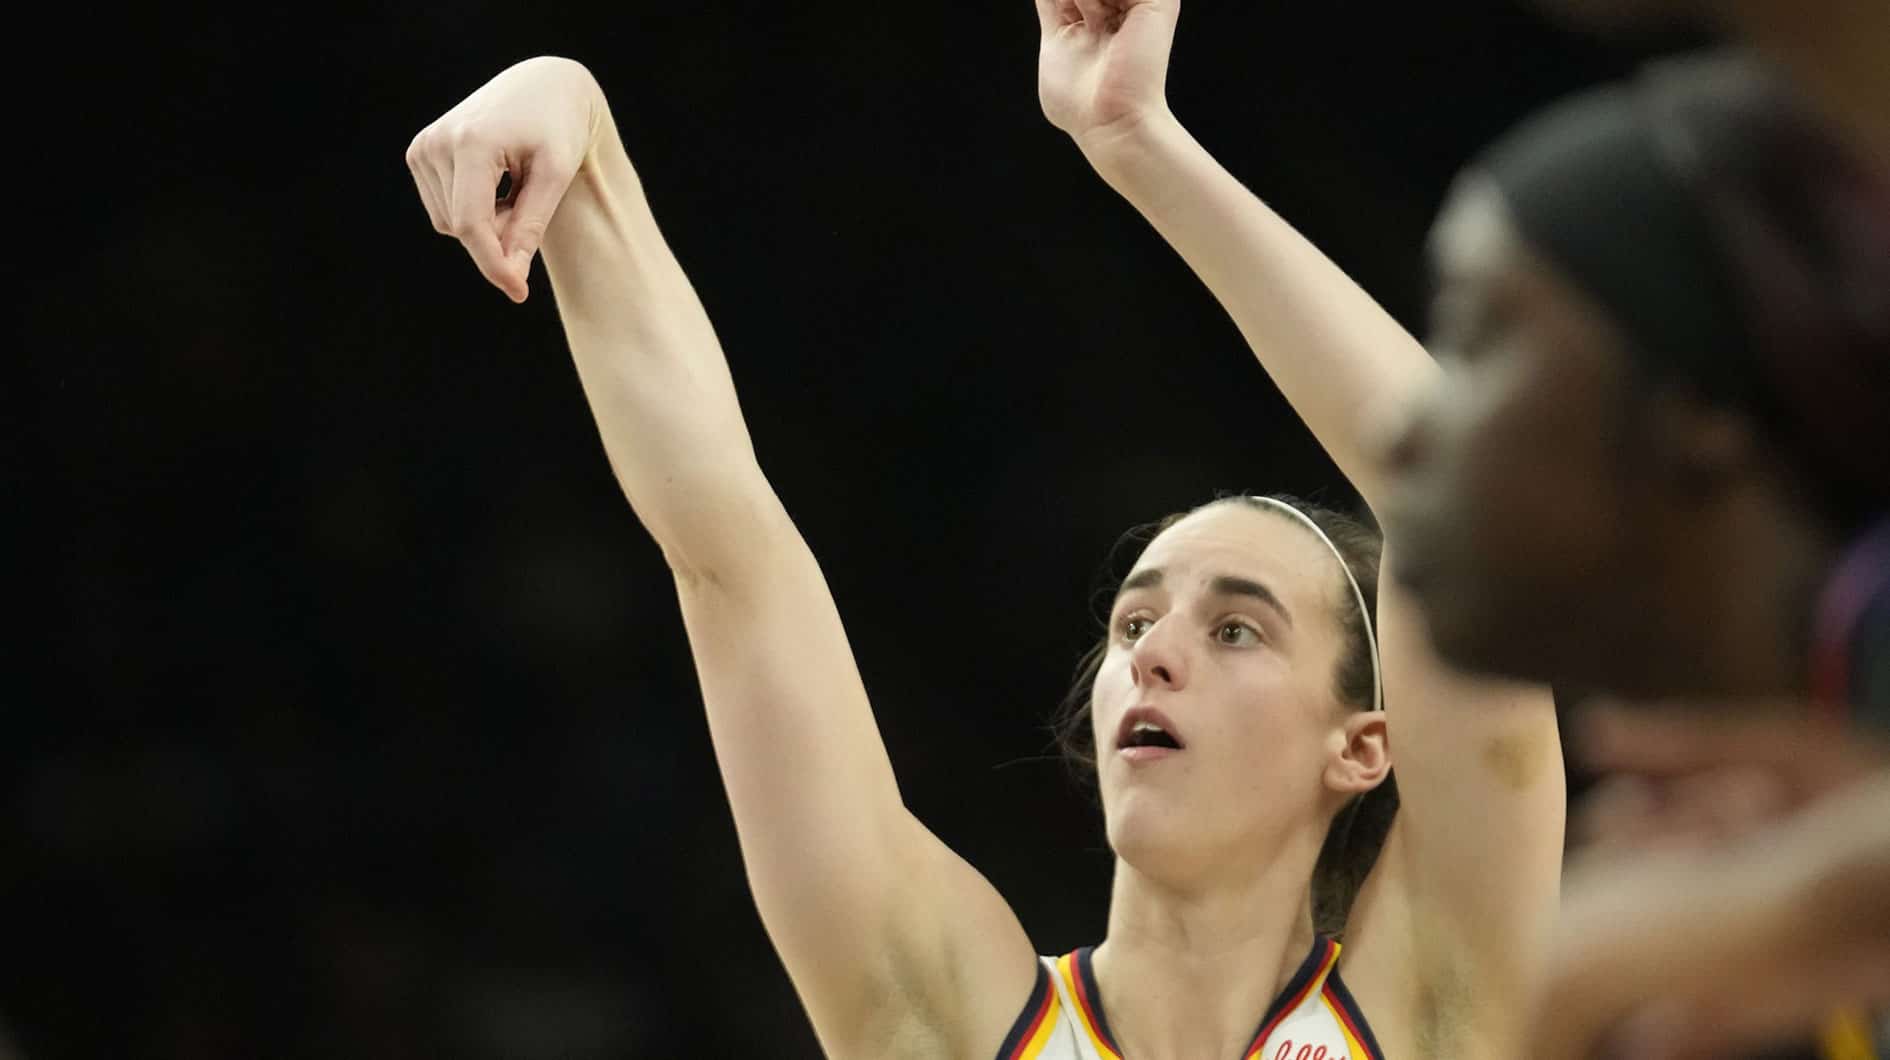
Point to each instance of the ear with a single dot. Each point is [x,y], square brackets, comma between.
[1697,446]
[1361,757]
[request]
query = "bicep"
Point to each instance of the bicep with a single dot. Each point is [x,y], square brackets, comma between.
[878,923]
[1479,838]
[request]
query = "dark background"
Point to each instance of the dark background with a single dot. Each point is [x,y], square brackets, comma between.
[354,716]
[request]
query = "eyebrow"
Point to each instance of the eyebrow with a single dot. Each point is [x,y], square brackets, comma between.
[1222,585]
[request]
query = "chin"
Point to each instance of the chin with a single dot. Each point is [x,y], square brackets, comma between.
[1516,644]
[1156,856]
[1143,831]
[1175,851]
[1483,639]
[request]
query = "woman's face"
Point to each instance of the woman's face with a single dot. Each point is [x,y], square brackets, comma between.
[1526,511]
[1225,638]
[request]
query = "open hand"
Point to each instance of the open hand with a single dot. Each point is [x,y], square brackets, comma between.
[1687,775]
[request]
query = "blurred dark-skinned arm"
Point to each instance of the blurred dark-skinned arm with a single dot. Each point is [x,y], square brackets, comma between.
[1733,889]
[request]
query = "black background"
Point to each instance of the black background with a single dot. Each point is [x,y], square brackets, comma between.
[354,717]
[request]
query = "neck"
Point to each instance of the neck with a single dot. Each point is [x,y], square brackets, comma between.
[1189,971]
[1762,568]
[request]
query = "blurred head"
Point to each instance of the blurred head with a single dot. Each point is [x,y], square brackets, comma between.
[1238,636]
[1663,310]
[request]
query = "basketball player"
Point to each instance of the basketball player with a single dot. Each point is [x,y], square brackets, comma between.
[1658,467]
[1232,728]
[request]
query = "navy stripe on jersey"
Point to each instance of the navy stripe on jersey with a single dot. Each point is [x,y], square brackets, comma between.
[1088,972]
[1360,1025]
[1294,993]
[1292,990]
[1027,1019]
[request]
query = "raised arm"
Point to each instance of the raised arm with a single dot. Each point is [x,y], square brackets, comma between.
[1468,877]
[1332,350]
[887,935]
[1711,950]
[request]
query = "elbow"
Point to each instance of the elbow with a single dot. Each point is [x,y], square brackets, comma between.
[691,577]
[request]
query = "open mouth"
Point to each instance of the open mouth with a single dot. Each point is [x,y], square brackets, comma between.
[1144,727]
[1147,734]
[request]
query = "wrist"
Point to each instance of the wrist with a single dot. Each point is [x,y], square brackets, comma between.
[1125,148]
[603,212]
[602,127]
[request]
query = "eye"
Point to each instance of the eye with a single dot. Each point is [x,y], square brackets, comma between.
[1236,634]
[1134,626]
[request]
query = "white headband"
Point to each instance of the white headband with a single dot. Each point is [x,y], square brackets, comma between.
[1364,613]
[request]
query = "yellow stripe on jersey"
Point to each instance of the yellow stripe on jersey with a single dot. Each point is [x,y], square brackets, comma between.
[1033,1046]
[1354,1049]
[1066,967]
[1314,985]
[1846,1036]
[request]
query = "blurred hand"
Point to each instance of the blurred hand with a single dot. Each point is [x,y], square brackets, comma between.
[1688,926]
[1102,66]
[1687,776]
[537,122]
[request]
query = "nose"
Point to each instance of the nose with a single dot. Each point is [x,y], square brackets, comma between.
[1159,660]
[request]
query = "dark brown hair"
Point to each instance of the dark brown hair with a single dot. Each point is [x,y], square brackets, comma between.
[1358,831]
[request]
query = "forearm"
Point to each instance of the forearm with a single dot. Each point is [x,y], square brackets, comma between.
[1806,901]
[1841,850]
[1769,934]
[1800,891]
[653,370]
[1329,347]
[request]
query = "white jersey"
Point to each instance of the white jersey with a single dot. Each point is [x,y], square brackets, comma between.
[1314,1018]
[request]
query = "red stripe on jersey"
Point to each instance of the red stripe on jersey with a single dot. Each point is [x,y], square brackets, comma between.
[1036,1023]
[1299,998]
[1351,1025]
